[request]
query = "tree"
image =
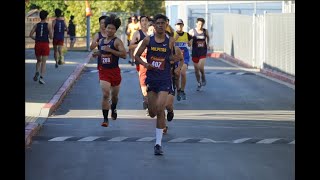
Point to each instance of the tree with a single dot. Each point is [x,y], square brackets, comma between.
[123,8]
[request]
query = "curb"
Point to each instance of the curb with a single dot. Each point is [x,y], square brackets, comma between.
[33,128]
[268,72]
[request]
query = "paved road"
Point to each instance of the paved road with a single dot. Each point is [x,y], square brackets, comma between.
[240,126]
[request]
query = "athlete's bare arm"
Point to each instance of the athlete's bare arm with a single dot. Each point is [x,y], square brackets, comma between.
[135,38]
[136,49]
[50,32]
[207,38]
[53,24]
[140,50]
[171,46]
[178,57]
[97,53]
[191,34]
[32,32]
[94,42]
[65,26]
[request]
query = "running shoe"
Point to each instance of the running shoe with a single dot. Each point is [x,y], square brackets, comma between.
[183,95]
[158,150]
[204,82]
[36,76]
[199,86]
[170,115]
[41,81]
[105,123]
[178,95]
[60,60]
[114,114]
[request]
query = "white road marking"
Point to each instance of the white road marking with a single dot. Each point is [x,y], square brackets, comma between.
[89,138]
[293,142]
[146,139]
[241,140]
[206,140]
[62,138]
[118,139]
[179,139]
[268,141]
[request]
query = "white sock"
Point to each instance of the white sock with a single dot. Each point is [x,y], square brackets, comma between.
[159,133]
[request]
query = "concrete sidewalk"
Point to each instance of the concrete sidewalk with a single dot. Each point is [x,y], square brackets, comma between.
[42,99]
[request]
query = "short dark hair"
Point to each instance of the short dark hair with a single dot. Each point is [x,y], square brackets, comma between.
[72,17]
[57,12]
[160,16]
[142,16]
[135,16]
[43,14]
[201,19]
[114,20]
[102,17]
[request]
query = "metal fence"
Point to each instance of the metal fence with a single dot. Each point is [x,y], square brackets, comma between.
[238,36]
[280,42]
[262,41]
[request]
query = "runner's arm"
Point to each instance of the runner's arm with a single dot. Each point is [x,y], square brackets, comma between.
[179,56]
[121,50]
[140,50]
[50,32]
[135,37]
[207,36]
[94,42]
[32,32]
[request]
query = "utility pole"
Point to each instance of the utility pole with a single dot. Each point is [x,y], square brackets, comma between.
[88,14]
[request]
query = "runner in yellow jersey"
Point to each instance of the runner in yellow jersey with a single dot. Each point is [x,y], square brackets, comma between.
[132,27]
[183,41]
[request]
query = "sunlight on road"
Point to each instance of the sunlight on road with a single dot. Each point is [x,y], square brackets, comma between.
[32,61]
[270,115]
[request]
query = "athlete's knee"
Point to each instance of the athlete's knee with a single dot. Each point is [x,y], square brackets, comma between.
[105,97]
[152,113]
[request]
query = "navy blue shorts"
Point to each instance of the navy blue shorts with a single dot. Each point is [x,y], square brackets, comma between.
[160,85]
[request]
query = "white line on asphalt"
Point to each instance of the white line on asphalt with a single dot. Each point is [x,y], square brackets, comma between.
[62,138]
[146,139]
[179,139]
[117,139]
[241,140]
[257,72]
[227,73]
[240,73]
[268,141]
[206,140]
[293,142]
[89,138]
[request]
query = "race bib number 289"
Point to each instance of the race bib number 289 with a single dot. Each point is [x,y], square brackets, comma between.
[106,60]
